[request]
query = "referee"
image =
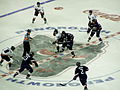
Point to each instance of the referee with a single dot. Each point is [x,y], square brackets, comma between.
[26,44]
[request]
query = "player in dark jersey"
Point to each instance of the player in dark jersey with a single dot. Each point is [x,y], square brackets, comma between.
[68,42]
[96,28]
[80,72]
[27,61]
[7,54]
[26,44]
[39,10]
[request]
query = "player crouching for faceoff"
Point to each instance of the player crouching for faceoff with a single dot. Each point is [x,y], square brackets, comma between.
[7,55]
[96,28]
[68,42]
[63,40]
[39,10]
[27,61]
[80,72]
[58,40]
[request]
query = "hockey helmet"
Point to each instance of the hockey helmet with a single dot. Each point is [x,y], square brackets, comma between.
[31,54]
[94,20]
[55,32]
[63,32]
[12,48]
[90,11]
[28,30]
[38,3]
[78,63]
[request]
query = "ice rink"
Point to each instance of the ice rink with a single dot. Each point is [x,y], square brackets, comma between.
[70,16]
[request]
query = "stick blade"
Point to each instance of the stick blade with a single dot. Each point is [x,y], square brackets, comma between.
[63,84]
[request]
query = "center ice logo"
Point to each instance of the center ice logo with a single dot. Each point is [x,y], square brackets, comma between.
[51,63]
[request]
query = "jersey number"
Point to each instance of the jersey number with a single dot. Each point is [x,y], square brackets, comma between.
[82,72]
[26,57]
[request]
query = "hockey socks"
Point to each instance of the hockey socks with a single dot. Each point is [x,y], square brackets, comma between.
[45,20]
[33,20]
[10,64]
[28,76]
[15,74]
[73,54]
[89,39]
[58,48]
[100,39]
[1,62]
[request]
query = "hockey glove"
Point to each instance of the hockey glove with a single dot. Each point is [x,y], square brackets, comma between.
[36,65]
[54,42]
[74,78]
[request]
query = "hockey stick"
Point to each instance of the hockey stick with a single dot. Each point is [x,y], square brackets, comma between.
[66,83]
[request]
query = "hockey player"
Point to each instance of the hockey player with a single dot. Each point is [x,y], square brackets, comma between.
[39,10]
[68,42]
[27,61]
[96,28]
[91,16]
[58,40]
[80,72]
[7,55]
[26,44]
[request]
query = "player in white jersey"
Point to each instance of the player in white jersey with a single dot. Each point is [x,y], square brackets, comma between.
[39,10]
[7,54]
[58,40]
[95,29]
[91,16]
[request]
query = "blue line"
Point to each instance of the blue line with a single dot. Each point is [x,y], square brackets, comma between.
[1,16]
